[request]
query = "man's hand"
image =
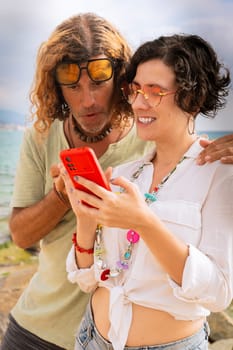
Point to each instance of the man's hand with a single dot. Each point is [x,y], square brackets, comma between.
[219,149]
[59,185]
[57,179]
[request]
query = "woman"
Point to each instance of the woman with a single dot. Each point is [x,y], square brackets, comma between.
[161,260]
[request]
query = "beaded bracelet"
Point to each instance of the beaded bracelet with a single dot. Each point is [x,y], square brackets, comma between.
[61,197]
[80,249]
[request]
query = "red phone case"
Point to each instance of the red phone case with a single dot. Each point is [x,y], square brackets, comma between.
[83,162]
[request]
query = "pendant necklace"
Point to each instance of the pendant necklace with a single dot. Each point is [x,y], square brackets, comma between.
[121,264]
[132,236]
[151,197]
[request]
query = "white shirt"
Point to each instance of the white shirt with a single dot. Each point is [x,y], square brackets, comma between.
[196,204]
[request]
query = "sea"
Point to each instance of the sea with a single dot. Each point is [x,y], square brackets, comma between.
[10,141]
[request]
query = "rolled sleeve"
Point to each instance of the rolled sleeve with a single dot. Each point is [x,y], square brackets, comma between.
[201,283]
[85,278]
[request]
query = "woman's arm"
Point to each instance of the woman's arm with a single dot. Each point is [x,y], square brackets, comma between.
[86,225]
[208,273]
[79,263]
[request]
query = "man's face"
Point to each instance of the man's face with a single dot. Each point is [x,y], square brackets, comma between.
[90,102]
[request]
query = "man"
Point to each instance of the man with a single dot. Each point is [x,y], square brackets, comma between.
[77,102]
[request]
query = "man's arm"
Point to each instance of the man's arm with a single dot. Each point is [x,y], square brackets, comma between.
[221,148]
[29,225]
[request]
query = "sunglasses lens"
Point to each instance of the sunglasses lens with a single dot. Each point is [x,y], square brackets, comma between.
[150,93]
[152,90]
[67,73]
[100,70]
[153,93]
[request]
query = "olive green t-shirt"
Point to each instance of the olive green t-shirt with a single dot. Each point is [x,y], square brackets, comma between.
[51,307]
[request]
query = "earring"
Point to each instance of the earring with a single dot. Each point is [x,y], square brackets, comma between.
[65,108]
[191,125]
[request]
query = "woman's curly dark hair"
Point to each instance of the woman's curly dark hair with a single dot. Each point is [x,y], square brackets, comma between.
[78,38]
[203,82]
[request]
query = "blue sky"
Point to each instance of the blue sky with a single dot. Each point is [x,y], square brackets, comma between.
[24,24]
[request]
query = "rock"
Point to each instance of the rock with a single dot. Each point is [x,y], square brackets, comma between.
[224,344]
[221,326]
[13,280]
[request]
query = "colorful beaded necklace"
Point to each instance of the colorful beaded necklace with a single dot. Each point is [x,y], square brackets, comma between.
[131,235]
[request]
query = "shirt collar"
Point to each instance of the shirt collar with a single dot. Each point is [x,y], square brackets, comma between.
[192,152]
[194,149]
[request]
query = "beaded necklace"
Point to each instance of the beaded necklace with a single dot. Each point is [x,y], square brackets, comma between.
[152,196]
[90,138]
[132,236]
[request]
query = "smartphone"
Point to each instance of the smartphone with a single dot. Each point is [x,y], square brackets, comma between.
[83,162]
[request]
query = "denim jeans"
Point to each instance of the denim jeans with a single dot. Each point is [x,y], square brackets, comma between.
[88,338]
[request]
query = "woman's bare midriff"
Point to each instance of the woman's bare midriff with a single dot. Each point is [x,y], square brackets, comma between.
[148,327]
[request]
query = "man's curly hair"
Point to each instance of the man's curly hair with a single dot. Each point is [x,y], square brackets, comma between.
[78,38]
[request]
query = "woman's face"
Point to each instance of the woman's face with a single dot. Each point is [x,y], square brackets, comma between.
[157,117]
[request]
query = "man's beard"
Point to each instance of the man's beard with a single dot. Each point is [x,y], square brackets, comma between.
[93,137]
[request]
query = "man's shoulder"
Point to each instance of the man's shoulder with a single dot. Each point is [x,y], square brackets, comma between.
[55,129]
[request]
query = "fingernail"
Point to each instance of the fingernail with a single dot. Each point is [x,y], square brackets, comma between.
[76,178]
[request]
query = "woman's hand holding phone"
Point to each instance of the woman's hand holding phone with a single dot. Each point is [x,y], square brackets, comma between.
[83,162]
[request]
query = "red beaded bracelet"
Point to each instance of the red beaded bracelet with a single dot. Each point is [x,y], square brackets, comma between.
[80,249]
